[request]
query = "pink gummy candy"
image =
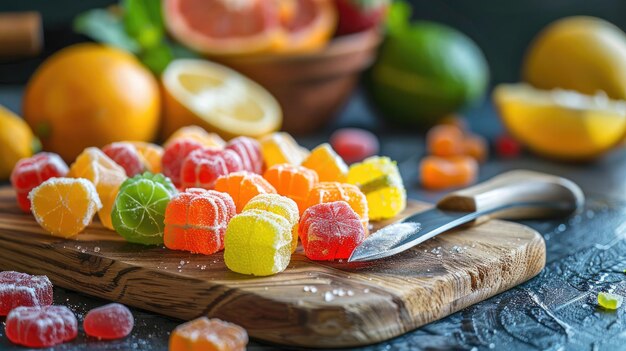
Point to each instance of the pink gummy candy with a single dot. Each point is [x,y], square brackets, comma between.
[250,152]
[173,156]
[21,289]
[202,167]
[30,172]
[112,321]
[126,155]
[330,231]
[41,326]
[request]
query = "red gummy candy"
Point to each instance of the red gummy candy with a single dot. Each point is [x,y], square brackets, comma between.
[173,156]
[112,321]
[250,152]
[30,172]
[126,155]
[507,147]
[330,231]
[21,289]
[354,144]
[203,166]
[41,326]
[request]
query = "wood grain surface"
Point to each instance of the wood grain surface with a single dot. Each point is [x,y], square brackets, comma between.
[352,304]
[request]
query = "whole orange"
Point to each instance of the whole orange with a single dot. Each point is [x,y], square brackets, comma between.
[91,95]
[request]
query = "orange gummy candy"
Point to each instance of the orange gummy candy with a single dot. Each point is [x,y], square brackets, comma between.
[243,186]
[329,166]
[334,191]
[476,147]
[445,140]
[203,334]
[440,173]
[295,182]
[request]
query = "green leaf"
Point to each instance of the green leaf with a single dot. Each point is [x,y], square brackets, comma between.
[143,21]
[102,26]
[157,58]
[399,17]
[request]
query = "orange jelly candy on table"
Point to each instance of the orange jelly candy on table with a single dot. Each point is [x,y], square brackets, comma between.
[295,182]
[197,134]
[329,166]
[196,221]
[105,174]
[152,153]
[441,173]
[445,140]
[334,191]
[64,206]
[243,186]
[203,334]
[476,146]
[280,147]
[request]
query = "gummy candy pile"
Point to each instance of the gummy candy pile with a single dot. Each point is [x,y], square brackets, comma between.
[254,199]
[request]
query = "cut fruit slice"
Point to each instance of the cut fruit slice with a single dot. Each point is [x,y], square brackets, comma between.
[306,25]
[559,123]
[218,99]
[220,27]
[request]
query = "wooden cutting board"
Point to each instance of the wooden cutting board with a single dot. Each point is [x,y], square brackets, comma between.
[312,304]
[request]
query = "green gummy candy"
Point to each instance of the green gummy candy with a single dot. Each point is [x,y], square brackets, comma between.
[610,301]
[139,210]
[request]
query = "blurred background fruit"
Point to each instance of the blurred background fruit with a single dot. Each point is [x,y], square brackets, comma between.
[17,141]
[203,93]
[425,71]
[585,54]
[91,95]
[561,124]
[359,15]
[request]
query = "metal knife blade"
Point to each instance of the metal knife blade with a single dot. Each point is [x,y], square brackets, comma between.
[412,231]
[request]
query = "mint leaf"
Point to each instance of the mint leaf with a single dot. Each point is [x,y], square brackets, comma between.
[143,21]
[102,26]
[157,58]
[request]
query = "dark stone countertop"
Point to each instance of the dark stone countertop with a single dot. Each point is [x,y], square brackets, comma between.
[555,311]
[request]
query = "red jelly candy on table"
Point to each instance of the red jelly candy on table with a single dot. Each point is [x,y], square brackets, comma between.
[173,156]
[250,152]
[21,289]
[41,326]
[196,221]
[508,147]
[30,172]
[203,166]
[126,155]
[354,144]
[112,321]
[330,231]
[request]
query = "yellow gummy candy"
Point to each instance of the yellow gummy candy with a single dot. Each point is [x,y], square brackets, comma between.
[280,148]
[257,242]
[280,205]
[329,166]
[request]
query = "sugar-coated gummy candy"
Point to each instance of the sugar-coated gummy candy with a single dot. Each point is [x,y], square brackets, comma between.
[30,172]
[295,182]
[139,208]
[334,191]
[507,147]
[280,147]
[105,174]
[204,334]
[476,147]
[329,166]
[243,186]
[152,153]
[354,144]
[21,289]
[330,231]
[64,206]
[112,321]
[202,167]
[41,326]
[280,205]
[197,134]
[250,152]
[610,301]
[258,242]
[439,173]
[174,155]
[445,140]
[126,155]
[379,179]
[196,220]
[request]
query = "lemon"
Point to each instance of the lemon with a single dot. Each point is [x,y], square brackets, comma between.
[217,98]
[17,141]
[559,123]
[580,53]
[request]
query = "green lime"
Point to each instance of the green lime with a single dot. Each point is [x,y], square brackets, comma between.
[425,71]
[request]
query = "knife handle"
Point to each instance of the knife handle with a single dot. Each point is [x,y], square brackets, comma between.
[518,194]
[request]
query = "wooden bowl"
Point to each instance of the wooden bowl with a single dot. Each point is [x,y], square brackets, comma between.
[312,87]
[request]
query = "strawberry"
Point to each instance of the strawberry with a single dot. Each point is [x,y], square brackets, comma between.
[359,15]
